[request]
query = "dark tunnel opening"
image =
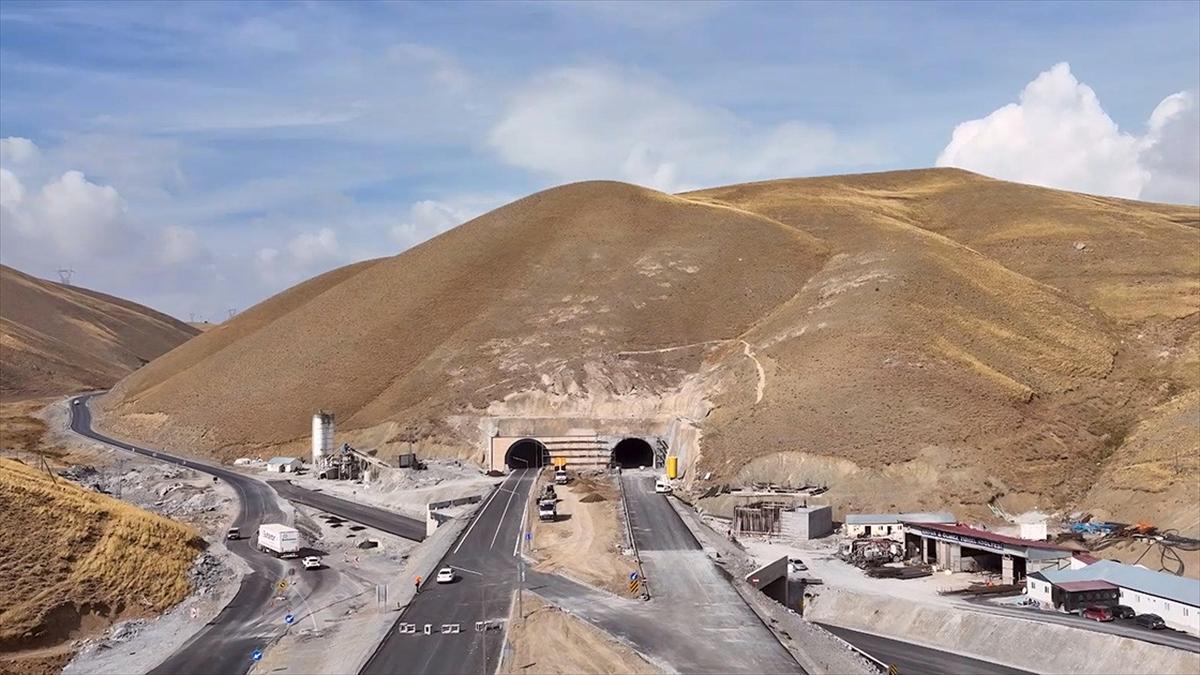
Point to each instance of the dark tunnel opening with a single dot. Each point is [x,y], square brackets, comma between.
[632,453]
[526,453]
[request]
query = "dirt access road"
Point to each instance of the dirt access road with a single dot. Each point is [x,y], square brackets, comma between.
[585,542]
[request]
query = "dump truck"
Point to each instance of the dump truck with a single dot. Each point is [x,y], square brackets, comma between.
[547,508]
[279,540]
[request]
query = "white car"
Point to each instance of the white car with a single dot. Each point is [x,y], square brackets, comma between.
[445,575]
[662,487]
[312,562]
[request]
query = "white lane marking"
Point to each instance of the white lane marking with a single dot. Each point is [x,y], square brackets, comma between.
[506,505]
[478,516]
[521,532]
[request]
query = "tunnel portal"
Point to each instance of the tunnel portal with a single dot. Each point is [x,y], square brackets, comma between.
[632,453]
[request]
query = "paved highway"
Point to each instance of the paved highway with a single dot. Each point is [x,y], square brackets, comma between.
[720,633]
[224,645]
[485,557]
[380,519]
[910,659]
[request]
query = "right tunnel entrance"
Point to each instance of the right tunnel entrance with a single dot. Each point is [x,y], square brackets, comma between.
[632,453]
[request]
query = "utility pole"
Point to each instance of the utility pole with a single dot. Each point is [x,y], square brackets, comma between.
[232,311]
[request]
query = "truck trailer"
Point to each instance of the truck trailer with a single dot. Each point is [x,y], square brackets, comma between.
[279,540]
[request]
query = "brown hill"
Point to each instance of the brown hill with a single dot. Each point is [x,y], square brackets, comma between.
[915,339]
[58,339]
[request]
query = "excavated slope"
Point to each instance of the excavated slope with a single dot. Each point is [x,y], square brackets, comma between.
[916,339]
[57,339]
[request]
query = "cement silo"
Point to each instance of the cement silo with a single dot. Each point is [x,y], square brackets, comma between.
[322,437]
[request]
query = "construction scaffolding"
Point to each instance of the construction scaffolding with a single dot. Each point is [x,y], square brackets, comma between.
[758,518]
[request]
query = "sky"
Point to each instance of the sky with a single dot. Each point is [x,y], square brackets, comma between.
[199,158]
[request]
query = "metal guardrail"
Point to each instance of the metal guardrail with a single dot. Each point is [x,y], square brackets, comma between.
[637,556]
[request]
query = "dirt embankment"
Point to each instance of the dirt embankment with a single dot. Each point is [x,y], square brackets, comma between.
[548,640]
[81,560]
[585,542]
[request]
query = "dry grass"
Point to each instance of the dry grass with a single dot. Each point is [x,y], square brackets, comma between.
[73,561]
[58,339]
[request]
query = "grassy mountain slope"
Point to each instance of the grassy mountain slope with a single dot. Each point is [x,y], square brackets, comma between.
[916,339]
[56,339]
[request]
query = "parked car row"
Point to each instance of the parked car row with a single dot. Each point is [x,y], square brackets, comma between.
[1151,621]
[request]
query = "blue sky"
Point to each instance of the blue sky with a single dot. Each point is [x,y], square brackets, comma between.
[199,157]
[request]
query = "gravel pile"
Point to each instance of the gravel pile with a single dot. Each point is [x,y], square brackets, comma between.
[207,572]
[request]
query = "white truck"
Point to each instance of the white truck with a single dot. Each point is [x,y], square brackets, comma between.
[547,508]
[279,540]
[560,476]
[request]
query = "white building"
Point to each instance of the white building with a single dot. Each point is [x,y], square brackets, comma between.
[860,525]
[284,464]
[1175,599]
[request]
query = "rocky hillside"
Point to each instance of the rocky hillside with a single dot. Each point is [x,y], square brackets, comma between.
[58,339]
[915,339]
[80,560]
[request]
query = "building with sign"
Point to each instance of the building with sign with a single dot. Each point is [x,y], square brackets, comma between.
[959,548]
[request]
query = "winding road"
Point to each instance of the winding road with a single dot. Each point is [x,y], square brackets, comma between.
[225,644]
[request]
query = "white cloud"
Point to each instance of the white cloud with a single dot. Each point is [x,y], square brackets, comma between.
[430,217]
[70,217]
[178,244]
[1171,150]
[309,247]
[12,192]
[1058,135]
[15,150]
[583,123]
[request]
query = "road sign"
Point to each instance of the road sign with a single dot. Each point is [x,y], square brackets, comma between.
[528,536]
[289,619]
[256,655]
[633,576]
[282,585]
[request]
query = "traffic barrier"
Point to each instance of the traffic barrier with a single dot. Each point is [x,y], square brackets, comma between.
[429,629]
[408,628]
[450,628]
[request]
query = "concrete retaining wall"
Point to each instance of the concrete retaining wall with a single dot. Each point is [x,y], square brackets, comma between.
[1029,645]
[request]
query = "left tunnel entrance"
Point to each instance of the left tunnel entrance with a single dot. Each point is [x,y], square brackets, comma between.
[525,453]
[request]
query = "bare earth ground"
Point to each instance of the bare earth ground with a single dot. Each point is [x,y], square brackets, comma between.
[585,542]
[548,640]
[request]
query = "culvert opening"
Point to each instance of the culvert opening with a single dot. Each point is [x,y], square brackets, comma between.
[526,453]
[632,453]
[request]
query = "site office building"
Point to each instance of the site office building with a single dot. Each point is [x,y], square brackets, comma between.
[1107,583]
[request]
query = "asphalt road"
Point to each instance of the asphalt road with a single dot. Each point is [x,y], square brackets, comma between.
[486,559]
[656,526]
[380,519]
[910,659]
[222,647]
[704,625]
